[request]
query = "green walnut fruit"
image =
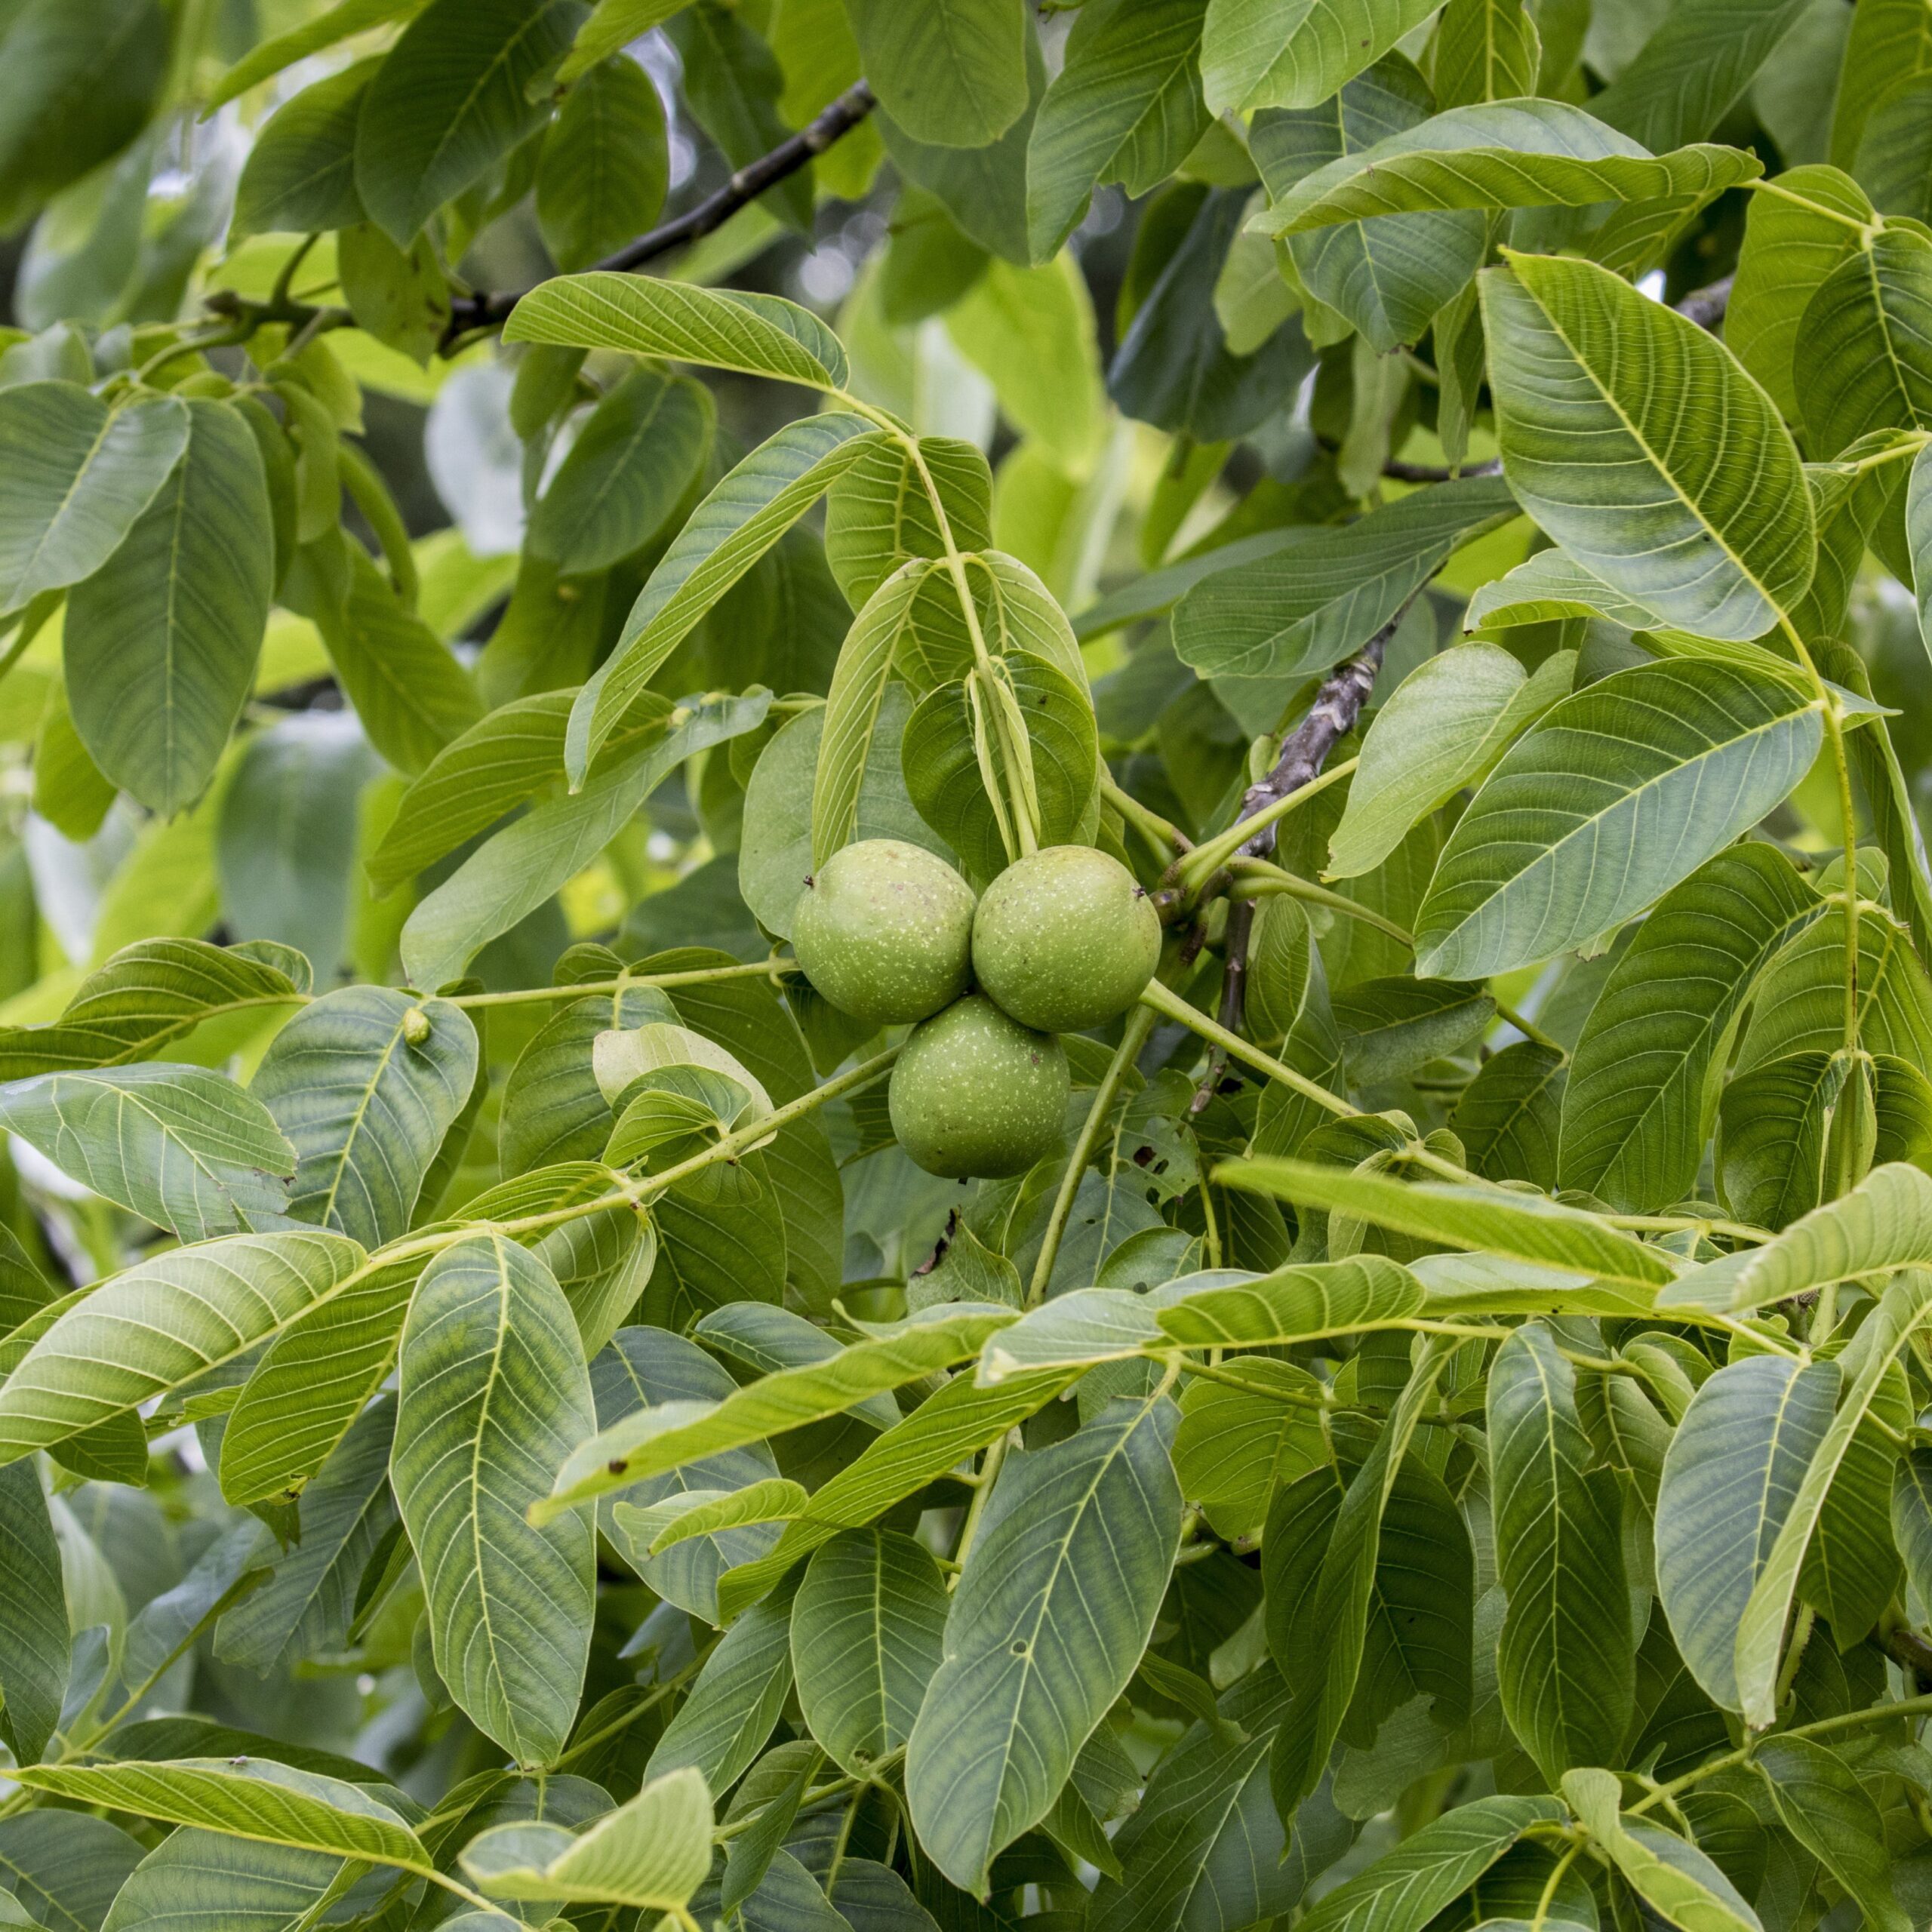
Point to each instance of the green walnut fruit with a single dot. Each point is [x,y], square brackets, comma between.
[974,1093]
[1066,938]
[884,931]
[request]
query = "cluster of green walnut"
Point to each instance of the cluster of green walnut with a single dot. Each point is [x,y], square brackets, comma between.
[1064,939]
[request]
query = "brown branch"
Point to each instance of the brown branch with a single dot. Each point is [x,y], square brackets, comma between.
[1706,306]
[1905,1646]
[1330,718]
[488,309]
[1433,473]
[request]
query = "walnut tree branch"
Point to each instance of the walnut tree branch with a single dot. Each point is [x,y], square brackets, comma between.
[1337,705]
[1706,306]
[483,309]
[488,308]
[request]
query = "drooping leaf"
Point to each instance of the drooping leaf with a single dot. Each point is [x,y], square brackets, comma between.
[852,708]
[1730,1477]
[647,1366]
[285,844]
[1566,1662]
[1637,1110]
[161,642]
[1050,1616]
[1175,368]
[64,1868]
[493,1391]
[455,95]
[80,81]
[868,1628]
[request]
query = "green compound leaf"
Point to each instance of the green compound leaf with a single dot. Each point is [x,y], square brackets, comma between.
[249,1798]
[1730,1477]
[161,642]
[724,328]
[1501,154]
[1637,1111]
[1526,1227]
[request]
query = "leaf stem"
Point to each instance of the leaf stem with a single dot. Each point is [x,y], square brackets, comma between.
[1134,1037]
[635,1193]
[1259,877]
[1166,839]
[1848,886]
[1205,860]
[1170,1004]
[1901,1707]
[1292,1398]
[590,988]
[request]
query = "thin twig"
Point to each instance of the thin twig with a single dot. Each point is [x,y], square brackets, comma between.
[489,309]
